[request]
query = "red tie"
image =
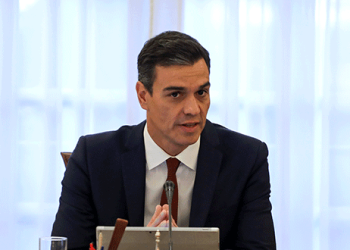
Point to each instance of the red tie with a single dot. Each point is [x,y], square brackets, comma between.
[172,164]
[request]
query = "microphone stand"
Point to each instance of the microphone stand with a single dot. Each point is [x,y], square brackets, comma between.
[169,187]
[170,230]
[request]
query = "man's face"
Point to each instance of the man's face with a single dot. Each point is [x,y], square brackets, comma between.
[177,109]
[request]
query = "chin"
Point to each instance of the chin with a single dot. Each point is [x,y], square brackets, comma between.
[190,141]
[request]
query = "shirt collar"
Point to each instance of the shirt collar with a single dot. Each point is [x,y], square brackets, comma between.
[156,155]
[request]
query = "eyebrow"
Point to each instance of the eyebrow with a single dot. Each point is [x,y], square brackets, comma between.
[207,84]
[175,88]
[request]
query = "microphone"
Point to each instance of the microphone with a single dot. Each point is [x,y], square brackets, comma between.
[169,187]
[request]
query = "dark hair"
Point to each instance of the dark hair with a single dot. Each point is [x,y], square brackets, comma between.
[167,49]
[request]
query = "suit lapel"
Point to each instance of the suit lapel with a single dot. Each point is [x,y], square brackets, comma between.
[134,167]
[208,167]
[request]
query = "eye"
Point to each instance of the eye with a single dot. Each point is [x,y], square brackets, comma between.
[175,94]
[202,92]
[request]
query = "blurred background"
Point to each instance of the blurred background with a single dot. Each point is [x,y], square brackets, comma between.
[280,72]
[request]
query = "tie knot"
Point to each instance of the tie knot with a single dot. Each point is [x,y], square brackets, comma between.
[172,164]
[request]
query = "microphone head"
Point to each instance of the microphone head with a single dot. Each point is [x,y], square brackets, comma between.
[169,186]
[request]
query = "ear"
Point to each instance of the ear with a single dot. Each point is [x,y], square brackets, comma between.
[142,95]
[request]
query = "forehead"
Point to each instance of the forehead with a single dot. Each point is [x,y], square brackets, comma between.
[181,75]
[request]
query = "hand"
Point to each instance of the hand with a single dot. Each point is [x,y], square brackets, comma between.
[160,217]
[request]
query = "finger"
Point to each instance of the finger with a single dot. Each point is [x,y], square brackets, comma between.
[155,219]
[157,212]
[174,223]
[161,217]
[164,223]
[165,207]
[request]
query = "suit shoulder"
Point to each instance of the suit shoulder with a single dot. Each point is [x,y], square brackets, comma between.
[132,134]
[120,133]
[224,132]
[232,139]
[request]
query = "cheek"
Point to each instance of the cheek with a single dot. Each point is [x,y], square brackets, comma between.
[168,115]
[163,115]
[205,107]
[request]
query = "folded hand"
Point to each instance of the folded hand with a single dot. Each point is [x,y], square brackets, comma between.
[160,217]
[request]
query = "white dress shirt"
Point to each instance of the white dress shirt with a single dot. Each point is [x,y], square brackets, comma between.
[156,175]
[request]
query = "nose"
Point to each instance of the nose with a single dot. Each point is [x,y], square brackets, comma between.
[191,106]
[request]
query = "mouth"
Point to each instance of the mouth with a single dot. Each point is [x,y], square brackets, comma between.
[190,125]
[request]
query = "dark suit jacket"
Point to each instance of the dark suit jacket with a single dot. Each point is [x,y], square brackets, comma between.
[105,180]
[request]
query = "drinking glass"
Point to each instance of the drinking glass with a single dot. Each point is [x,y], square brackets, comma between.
[53,243]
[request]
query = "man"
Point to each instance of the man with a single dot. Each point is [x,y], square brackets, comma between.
[222,179]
